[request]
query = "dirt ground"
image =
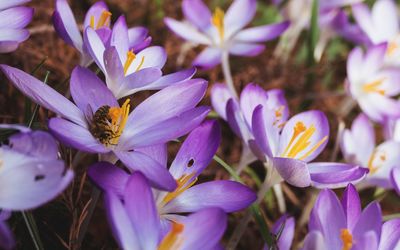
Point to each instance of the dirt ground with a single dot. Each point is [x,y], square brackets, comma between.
[58,221]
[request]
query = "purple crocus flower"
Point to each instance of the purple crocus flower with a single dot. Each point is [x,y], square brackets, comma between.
[381,24]
[98,17]
[239,113]
[128,70]
[136,224]
[193,157]
[371,85]
[332,21]
[340,224]
[31,174]
[358,147]
[223,33]
[96,123]
[286,233]
[14,20]
[288,149]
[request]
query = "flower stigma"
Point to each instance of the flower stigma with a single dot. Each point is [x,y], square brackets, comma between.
[347,239]
[302,143]
[130,57]
[108,123]
[104,20]
[183,185]
[173,239]
[218,21]
[373,87]
[378,159]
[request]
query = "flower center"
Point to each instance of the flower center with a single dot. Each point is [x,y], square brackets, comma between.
[218,21]
[373,87]
[130,57]
[375,161]
[104,20]
[346,238]
[173,239]
[108,123]
[297,146]
[183,184]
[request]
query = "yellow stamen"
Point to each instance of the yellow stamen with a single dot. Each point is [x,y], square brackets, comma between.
[119,117]
[218,21]
[346,238]
[392,47]
[130,57]
[181,182]
[172,240]
[374,87]
[373,168]
[104,19]
[92,22]
[295,148]
[140,64]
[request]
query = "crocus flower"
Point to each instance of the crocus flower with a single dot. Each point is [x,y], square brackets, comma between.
[381,24]
[193,157]
[340,224]
[136,224]
[96,123]
[14,19]
[99,18]
[332,21]
[238,113]
[223,33]
[289,148]
[31,174]
[126,70]
[371,85]
[358,147]
[285,234]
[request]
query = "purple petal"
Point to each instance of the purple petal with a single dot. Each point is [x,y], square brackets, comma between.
[95,47]
[94,11]
[75,136]
[196,12]
[236,120]
[379,107]
[108,177]
[186,31]
[168,103]
[374,57]
[204,229]
[8,46]
[287,235]
[44,95]
[13,35]
[66,26]
[317,141]
[246,49]
[386,19]
[239,15]
[89,92]
[355,62]
[137,36]
[120,37]
[230,196]
[16,18]
[173,78]
[193,160]
[151,57]
[314,241]
[260,131]
[335,175]
[293,171]
[328,217]
[369,220]
[363,17]
[369,240]
[157,174]
[390,236]
[157,152]
[208,58]
[167,130]
[142,211]
[120,223]
[252,96]
[351,206]
[11,3]
[143,79]
[395,178]
[7,240]
[262,33]
[36,143]
[220,95]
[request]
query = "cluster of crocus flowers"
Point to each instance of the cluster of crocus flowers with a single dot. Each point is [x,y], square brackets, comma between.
[372,85]
[359,147]
[223,32]
[12,27]
[31,174]
[96,122]
[188,164]
[341,224]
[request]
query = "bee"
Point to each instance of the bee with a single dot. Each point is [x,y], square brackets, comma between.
[100,127]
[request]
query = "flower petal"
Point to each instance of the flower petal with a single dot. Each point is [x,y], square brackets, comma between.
[12,3]
[395,178]
[108,177]
[262,33]
[385,18]
[252,96]
[151,57]
[16,18]
[173,78]
[287,234]
[370,220]
[293,171]
[246,49]
[351,206]
[75,136]
[66,26]
[314,241]
[196,12]
[390,236]
[95,47]
[220,95]
[95,12]
[186,31]
[208,58]
[261,130]
[239,15]
[7,240]
[44,95]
